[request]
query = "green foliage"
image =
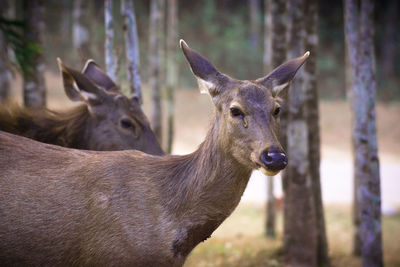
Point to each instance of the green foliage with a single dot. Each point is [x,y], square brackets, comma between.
[224,40]
[220,30]
[25,50]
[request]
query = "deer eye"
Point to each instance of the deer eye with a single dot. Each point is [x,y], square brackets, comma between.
[235,112]
[276,111]
[126,123]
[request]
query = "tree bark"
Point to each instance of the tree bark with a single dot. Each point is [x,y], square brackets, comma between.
[356,245]
[267,58]
[109,40]
[254,10]
[274,55]
[34,87]
[5,72]
[359,37]
[351,36]
[172,43]
[270,228]
[270,225]
[155,64]
[312,117]
[299,241]
[279,54]
[369,192]
[80,31]
[389,41]
[131,48]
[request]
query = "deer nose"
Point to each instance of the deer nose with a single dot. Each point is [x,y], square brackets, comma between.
[274,159]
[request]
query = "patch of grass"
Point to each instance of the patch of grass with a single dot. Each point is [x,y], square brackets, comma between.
[240,240]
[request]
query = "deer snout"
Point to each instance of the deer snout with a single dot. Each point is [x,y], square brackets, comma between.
[274,159]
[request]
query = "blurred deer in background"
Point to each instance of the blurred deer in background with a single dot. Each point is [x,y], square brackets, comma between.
[107,120]
[62,206]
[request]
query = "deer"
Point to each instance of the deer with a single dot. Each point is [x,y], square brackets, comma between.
[68,207]
[105,120]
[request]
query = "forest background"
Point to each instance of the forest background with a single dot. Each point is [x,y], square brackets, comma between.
[223,32]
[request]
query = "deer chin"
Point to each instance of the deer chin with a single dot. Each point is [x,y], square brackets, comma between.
[268,172]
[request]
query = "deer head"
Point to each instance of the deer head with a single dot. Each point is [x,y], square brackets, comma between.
[247,112]
[117,119]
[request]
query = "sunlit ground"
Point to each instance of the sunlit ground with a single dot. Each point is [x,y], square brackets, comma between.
[240,240]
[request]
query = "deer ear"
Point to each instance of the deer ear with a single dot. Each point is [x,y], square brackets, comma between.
[208,77]
[280,77]
[98,76]
[78,87]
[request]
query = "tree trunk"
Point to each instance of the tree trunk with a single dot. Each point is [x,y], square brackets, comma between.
[299,241]
[155,64]
[254,9]
[34,87]
[360,44]
[279,55]
[5,72]
[351,36]
[270,229]
[275,53]
[172,43]
[356,246]
[369,192]
[270,225]
[109,42]
[66,40]
[131,48]
[267,58]
[389,40]
[312,117]
[80,32]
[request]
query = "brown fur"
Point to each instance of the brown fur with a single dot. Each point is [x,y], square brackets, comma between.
[61,206]
[59,128]
[95,125]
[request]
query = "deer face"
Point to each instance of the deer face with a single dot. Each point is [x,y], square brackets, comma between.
[250,123]
[116,121]
[247,111]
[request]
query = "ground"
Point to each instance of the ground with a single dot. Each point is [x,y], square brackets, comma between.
[240,240]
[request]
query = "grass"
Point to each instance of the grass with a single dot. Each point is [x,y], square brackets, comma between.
[240,240]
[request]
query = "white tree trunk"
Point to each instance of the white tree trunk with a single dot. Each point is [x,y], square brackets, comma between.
[109,40]
[34,86]
[80,31]
[132,48]
[171,68]
[156,64]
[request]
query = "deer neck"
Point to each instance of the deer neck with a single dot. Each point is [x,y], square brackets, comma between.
[209,187]
[73,127]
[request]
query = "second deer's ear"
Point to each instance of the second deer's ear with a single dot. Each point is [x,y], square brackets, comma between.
[78,87]
[208,77]
[98,76]
[280,77]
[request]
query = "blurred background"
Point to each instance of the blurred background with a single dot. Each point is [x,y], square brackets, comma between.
[222,31]
[230,33]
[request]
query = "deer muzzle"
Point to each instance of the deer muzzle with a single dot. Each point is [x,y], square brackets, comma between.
[274,160]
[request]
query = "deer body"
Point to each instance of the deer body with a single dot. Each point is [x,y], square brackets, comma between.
[137,216]
[61,206]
